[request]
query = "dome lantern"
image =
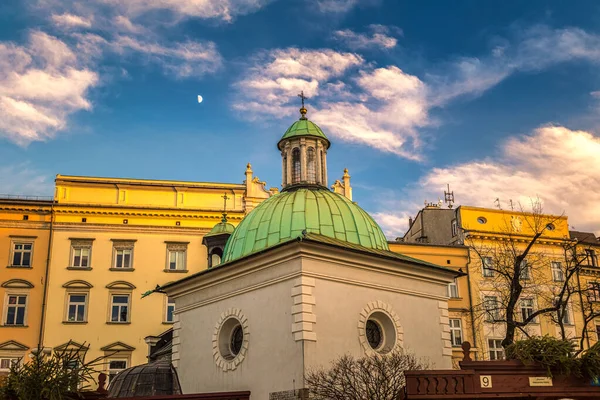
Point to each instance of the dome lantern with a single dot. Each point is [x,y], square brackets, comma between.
[216,239]
[304,153]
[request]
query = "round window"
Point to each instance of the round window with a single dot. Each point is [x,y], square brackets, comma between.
[481,220]
[380,332]
[550,227]
[374,334]
[237,338]
[231,338]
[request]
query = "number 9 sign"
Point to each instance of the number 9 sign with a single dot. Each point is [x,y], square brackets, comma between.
[485,381]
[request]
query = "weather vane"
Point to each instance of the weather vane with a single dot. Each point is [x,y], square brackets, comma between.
[303,109]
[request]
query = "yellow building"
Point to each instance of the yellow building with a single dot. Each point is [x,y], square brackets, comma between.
[24,239]
[493,236]
[461,327]
[588,250]
[111,241]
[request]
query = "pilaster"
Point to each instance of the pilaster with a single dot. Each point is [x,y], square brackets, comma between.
[445,329]
[303,309]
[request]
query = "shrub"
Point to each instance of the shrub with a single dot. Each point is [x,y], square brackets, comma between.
[556,356]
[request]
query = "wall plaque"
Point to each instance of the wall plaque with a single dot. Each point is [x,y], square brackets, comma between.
[540,381]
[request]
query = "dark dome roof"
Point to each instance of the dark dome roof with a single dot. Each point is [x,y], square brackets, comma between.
[151,379]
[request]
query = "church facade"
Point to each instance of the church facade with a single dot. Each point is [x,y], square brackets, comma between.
[306,277]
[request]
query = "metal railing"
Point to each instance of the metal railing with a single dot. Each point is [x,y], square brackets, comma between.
[25,197]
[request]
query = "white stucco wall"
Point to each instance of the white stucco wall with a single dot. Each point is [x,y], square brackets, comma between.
[273,359]
[302,309]
[338,307]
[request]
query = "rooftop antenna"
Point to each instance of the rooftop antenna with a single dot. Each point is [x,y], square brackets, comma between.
[497,203]
[303,109]
[512,207]
[449,197]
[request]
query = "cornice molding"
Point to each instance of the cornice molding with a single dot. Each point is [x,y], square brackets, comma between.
[17,283]
[113,228]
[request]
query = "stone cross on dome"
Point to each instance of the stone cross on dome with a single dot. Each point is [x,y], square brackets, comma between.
[225,198]
[303,109]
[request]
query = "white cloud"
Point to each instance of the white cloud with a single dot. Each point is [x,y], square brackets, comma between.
[279,75]
[67,20]
[554,163]
[336,6]
[125,24]
[40,88]
[183,59]
[220,9]
[383,112]
[379,38]
[534,49]
[394,106]
[386,108]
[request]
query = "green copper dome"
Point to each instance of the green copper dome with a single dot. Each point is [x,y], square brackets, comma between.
[285,215]
[304,127]
[220,228]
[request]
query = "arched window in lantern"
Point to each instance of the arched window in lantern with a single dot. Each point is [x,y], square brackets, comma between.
[311,168]
[323,179]
[296,165]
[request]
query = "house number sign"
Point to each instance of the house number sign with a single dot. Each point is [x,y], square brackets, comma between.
[485,381]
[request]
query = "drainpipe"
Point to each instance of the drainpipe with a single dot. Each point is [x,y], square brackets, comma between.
[473,330]
[49,255]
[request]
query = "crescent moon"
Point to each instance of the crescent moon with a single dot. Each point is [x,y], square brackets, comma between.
[200,99]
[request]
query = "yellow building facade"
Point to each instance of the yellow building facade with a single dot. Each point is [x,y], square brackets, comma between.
[460,314]
[24,240]
[111,241]
[491,235]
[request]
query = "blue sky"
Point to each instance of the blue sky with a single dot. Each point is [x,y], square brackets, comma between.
[500,100]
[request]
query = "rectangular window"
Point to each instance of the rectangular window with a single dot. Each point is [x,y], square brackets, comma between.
[525,270]
[594,291]
[177,259]
[6,363]
[488,265]
[492,308]
[115,367]
[15,310]
[76,307]
[591,257]
[557,272]
[598,332]
[22,254]
[170,309]
[454,228]
[119,308]
[453,290]
[496,350]
[81,257]
[566,317]
[527,308]
[456,332]
[123,258]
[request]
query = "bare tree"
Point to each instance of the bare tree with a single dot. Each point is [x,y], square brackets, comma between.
[376,377]
[517,270]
